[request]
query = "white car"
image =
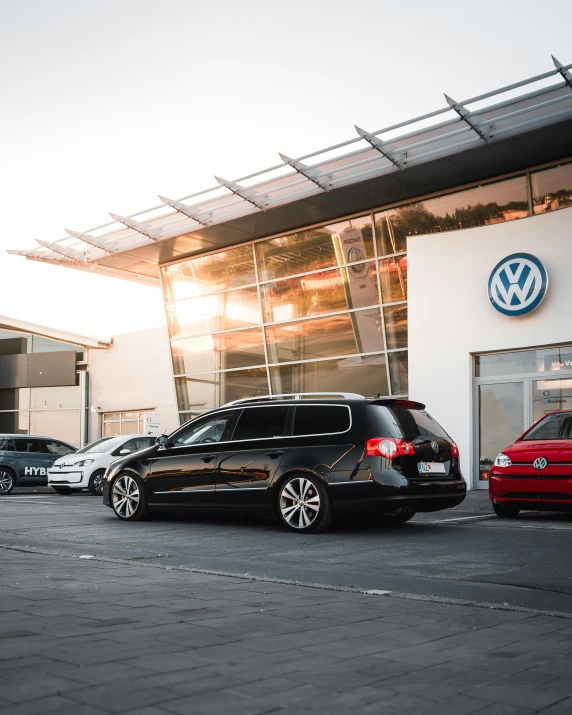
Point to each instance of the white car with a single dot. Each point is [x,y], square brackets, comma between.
[85,468]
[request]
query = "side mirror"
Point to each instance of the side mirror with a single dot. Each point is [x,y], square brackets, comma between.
[162,441]
[125,451]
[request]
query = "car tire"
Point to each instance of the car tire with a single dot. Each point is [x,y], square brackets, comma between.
[7,481]
[64,491]
[505,511]
[400,518]
[304,505]
[128,498]
[95,485]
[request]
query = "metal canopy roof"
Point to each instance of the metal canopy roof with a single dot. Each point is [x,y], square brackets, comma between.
[505,130]
[22,326]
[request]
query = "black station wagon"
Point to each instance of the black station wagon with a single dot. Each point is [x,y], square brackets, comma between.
[300,457]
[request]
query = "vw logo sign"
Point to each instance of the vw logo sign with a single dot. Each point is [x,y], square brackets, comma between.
[540,463]
[518,284]
[435,447]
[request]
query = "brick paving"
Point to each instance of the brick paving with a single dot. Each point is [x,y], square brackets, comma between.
[81,637]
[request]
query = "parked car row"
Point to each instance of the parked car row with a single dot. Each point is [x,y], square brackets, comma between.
[27,460]
[302,458]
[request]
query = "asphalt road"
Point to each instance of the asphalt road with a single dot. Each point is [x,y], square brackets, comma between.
[466,553]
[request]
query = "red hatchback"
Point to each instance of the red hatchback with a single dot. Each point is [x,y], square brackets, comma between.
[536,471]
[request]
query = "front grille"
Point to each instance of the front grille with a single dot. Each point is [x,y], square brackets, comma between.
[552,496]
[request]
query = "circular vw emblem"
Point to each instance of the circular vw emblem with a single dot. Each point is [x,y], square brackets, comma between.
[518,284]
[540,463]
[435,447]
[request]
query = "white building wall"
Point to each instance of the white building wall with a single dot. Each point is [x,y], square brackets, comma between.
[135,373]
[451,317]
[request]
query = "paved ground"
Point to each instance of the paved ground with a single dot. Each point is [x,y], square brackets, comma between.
[466,553]
[131,629]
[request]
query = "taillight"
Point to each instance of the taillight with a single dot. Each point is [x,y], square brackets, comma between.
[388,447]
[454,450]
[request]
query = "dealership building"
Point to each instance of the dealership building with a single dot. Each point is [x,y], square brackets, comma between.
[430,259]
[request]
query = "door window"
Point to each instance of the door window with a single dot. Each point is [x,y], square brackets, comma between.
[321,419]
[6,445]
[261,423]
[203,431]
[54,447]
[28,445]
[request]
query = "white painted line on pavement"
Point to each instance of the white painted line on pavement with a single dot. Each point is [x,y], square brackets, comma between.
[26,500]
[459,518]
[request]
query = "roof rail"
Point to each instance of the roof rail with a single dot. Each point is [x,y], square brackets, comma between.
[296,396]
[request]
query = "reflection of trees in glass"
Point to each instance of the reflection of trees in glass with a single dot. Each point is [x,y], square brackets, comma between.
[395,226]
[552,201]
[304,251]
[312,295]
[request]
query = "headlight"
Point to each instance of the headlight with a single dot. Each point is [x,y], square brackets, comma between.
[84,463]
[503,460]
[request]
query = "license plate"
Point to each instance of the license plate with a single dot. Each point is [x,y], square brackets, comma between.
[431,468]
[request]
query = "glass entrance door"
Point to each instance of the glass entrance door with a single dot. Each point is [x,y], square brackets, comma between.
[550,395]
[501,418]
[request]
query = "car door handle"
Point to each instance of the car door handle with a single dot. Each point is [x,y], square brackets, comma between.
[275,453]
[208,457]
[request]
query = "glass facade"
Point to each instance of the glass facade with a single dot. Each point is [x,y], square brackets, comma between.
[114,424]
[49,411]
[325,308]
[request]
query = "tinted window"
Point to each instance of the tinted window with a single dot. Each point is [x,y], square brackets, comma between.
[204,430]
[557,426]
[260,423]
[401,422]
[321,419]
[27,445]
[60,448]
[6,445]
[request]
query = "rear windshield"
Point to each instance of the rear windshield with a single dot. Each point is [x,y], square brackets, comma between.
[402,422]
[557,426]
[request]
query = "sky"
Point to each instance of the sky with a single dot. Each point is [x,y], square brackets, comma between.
[107,103]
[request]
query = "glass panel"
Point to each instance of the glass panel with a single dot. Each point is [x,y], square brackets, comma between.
[339,243]
[129,427]
[55,397]
[54,447]
[218,352]
[111,429]
[112,415]
[552,189]
[344,334]
[45,345]
[396,326]
[324,292]
[553,359]
[203,392]
[207,274]
[213,313]
[364,375]
[501,421]
[393,275]
[481,206]
[261,423]
[398,373]
[60,424]
[550,395]
[15,398]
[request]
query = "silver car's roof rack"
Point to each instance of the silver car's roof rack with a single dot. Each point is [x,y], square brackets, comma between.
[297,396]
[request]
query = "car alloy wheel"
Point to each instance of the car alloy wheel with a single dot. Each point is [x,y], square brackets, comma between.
[127,498]
[304,504]
[6,482]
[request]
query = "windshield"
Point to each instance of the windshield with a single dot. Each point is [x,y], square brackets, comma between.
[555,426]
[404,423]
[100,445]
